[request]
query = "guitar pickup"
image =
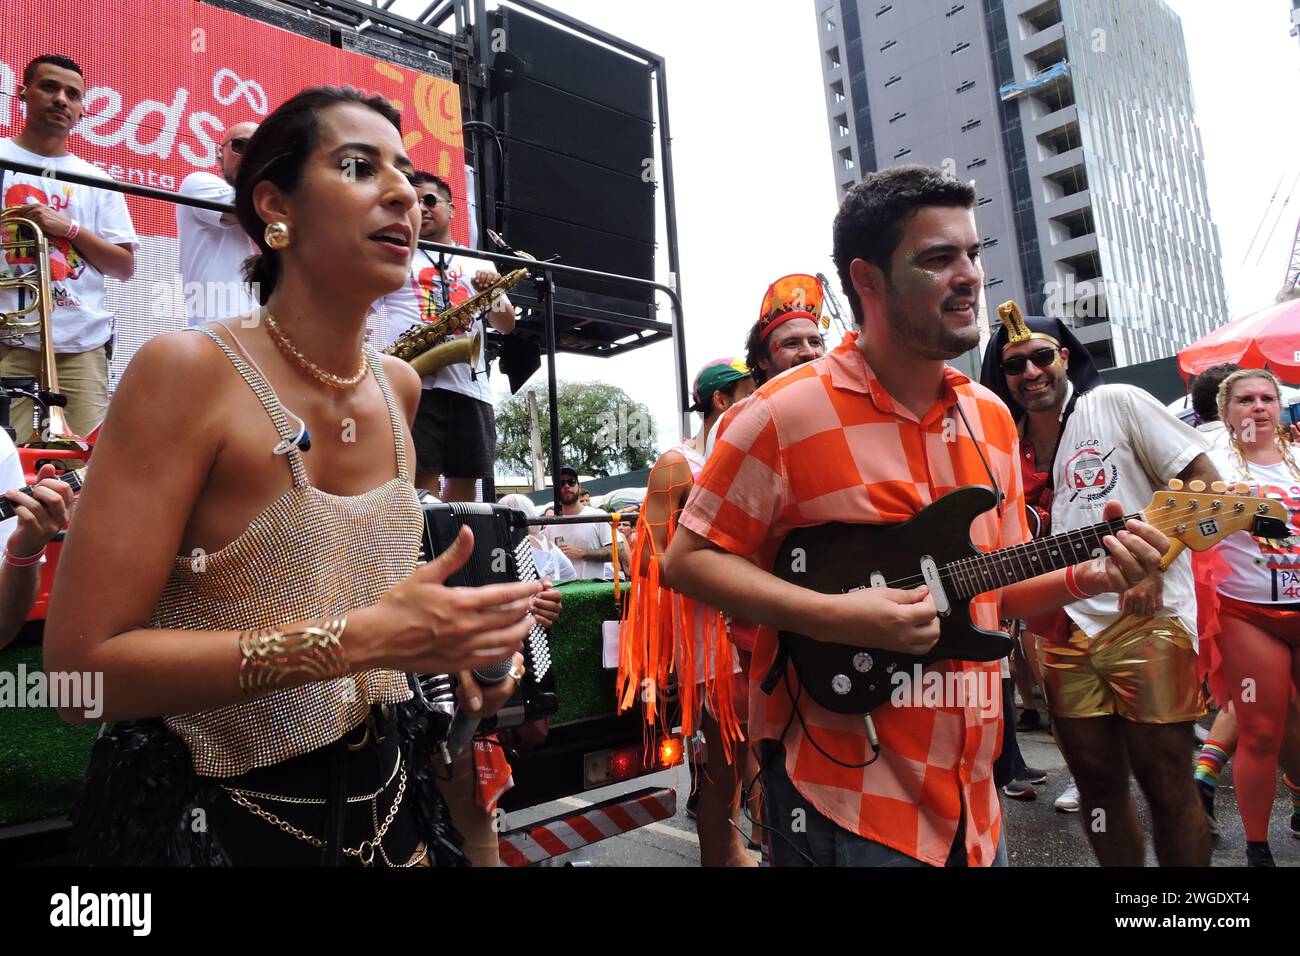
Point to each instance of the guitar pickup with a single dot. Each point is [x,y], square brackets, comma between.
[930,571]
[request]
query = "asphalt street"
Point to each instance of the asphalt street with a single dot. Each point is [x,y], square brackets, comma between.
[1037,833]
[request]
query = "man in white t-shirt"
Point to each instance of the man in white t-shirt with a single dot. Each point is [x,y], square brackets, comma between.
[586,545]
[455,431]
[1120,672]
[212,246]
[37,516]
[90,236]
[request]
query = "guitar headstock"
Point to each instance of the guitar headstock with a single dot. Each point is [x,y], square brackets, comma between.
[1201,517]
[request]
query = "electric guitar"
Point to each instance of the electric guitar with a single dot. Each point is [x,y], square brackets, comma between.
[934,548]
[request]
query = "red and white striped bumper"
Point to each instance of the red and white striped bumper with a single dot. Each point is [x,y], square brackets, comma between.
[572,831]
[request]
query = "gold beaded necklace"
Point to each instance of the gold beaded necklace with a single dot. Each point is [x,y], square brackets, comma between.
[315,371]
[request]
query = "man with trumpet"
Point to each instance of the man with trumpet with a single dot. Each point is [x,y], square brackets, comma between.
[90,236]
[455,428]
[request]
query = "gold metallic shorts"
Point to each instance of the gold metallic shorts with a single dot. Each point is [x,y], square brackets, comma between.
[1143,669]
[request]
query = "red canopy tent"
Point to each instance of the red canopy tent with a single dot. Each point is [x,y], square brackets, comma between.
[1270,338]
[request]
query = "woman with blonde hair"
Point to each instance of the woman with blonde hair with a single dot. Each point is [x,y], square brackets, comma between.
[1258,594]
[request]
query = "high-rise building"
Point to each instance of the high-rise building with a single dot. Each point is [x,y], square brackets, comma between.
[1075,120]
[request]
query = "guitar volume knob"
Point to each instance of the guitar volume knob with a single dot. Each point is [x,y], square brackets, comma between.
[862,662]
[841,684]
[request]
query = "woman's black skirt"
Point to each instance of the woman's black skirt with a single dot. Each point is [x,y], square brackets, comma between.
[142,804]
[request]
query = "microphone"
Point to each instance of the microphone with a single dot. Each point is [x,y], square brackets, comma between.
[501,243]
[464,725]
[436,692]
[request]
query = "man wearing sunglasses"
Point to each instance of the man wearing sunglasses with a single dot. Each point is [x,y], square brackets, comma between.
[455,427]
[1119,669]
[212,245]
[586,545]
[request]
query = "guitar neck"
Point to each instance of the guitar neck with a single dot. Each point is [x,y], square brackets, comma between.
[997,569]
[71,478]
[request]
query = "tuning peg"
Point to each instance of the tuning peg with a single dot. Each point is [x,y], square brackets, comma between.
[1196,485]
[1219,487]
[1175,484]
[1241,488]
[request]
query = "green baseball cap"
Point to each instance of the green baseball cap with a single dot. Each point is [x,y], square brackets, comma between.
[714,376]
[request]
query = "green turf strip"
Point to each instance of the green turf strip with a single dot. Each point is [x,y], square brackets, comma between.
[42,759]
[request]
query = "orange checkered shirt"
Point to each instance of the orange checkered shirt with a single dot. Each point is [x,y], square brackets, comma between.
[825,442]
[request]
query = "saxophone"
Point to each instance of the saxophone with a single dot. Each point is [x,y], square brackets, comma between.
[425,345]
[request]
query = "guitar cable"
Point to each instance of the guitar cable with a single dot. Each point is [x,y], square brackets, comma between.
[747,789]
[875,745]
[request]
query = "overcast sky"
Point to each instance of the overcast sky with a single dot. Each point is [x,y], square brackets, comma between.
[755,186]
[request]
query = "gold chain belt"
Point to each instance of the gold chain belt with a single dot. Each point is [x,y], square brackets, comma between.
[314,801]
[366,852]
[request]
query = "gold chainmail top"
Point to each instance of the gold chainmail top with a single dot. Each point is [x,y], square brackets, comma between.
[309,555]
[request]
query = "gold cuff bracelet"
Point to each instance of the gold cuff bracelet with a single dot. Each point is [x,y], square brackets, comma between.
[270,658]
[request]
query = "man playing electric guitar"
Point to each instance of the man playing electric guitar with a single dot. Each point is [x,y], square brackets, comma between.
[872,433]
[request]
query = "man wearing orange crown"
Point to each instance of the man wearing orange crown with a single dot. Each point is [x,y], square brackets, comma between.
[664,632]
[1119,669]
[789,327]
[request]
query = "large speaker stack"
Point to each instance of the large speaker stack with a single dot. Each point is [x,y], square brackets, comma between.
[577,135]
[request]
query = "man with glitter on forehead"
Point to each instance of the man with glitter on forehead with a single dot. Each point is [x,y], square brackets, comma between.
[1119,671]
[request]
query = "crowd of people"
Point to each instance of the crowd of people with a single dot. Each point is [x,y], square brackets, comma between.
[255,662]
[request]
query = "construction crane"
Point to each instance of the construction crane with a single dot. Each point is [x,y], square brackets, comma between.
[1290,287]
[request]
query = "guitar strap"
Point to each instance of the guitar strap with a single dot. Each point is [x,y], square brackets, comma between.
[997,489]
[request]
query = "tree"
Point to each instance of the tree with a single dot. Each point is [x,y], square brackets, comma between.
[602,430]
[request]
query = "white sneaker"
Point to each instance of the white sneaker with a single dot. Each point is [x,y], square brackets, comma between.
[1069,800]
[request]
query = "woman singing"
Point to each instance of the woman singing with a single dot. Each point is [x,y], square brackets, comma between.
[1259,598]
[265,603]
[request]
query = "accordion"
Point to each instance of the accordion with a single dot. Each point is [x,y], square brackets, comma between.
[502,555]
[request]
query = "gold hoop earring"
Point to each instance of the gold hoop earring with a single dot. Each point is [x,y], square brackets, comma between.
[277,235]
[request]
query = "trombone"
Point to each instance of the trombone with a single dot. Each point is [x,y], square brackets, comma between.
[54,432]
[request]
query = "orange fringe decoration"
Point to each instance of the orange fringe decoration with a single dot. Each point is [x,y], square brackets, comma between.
[657,640]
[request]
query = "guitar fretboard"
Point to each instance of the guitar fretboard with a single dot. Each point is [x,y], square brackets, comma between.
[7,507]
[997,569]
